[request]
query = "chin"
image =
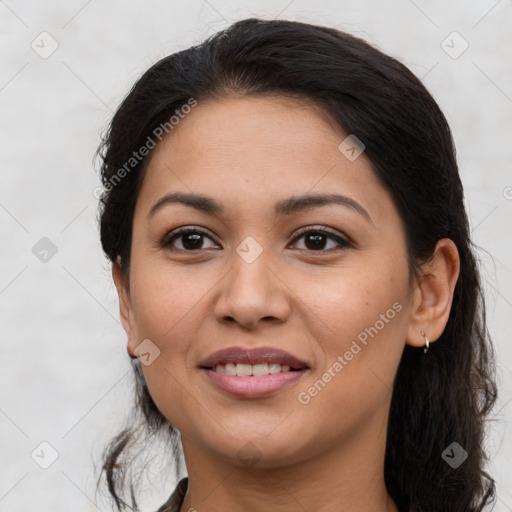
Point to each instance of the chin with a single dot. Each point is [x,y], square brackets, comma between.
[261,452]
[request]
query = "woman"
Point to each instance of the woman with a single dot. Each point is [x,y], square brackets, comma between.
[285,220]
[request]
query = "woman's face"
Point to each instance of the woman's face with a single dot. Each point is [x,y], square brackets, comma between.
[337,299]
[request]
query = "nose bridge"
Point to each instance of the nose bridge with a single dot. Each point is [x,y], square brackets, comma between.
[251,271]
[251,292]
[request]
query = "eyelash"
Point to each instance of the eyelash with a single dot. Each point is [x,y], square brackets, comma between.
[343,243]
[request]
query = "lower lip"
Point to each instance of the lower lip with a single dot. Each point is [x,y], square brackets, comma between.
[253,387]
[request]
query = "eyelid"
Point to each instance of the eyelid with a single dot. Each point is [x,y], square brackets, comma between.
[342,240]
[166,240]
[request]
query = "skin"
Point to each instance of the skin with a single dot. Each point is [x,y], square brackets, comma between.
[248,153]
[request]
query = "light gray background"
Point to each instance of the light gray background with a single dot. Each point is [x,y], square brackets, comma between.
[65,377]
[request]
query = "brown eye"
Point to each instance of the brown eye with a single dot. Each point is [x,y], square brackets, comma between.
[189,239]
[317,239]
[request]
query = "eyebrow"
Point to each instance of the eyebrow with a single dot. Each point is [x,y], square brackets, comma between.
[284,207]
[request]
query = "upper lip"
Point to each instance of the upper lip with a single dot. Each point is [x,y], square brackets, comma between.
[243,355]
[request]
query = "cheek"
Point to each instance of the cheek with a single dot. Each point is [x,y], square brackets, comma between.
[353,301]
[167,308]
[164,299]
[362,324]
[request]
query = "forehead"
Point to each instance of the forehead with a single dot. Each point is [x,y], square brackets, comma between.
[250,149]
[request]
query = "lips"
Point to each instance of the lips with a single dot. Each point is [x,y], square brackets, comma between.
[255,356]
[253,373]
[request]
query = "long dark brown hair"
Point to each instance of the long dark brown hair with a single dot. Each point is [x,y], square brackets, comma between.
[438,398]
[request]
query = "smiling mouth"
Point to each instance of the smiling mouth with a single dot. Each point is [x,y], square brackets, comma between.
[250,370]
[248,381]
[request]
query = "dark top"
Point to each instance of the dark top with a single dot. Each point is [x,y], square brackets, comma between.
[173,504]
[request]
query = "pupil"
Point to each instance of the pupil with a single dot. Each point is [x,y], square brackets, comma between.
[195,243]
[317,243]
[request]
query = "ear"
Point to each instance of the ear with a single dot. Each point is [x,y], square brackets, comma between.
[125,305]
[433,294]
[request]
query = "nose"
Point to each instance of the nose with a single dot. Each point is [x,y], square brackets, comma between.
[252,293]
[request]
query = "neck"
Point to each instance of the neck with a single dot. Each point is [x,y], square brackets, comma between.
[349,478]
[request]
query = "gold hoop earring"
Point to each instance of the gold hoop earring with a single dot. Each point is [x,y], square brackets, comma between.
[427,343]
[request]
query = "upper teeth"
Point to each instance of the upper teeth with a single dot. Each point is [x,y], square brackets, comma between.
[246,370]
